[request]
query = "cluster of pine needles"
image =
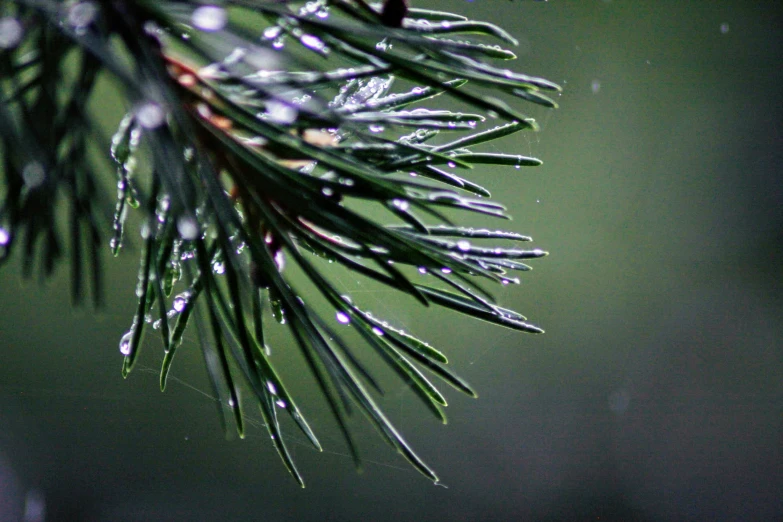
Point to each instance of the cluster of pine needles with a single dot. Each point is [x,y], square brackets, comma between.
[256,132]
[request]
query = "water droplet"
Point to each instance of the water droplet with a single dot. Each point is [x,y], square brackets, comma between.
[278,312]
[235,56]
[313,42]
[280,260]
[327,191]
[401,204]
[33,174]
[5,236]
[144,231]
[152,29]
[376,128]
[188,227]
[342,318]
[463,245]
[81,15]
[11,32]
[280,112]
[280,403]
[596,86]
[149,115]
[310,8]
[451,164]
[377,331]
[156,324]
[271,387]
[180,301]
[446,270]
[724,28]
[255,141]
[218,267]
[125,343]
[209,18]
[270,33]
[422,270]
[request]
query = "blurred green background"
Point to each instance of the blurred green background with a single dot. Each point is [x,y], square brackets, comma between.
[656,393]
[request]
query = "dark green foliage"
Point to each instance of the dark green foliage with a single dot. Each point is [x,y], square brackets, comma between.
[258,123]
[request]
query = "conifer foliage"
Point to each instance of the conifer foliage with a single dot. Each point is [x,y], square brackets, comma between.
[257,134]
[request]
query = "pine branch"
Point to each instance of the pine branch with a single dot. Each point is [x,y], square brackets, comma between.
[261,122]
